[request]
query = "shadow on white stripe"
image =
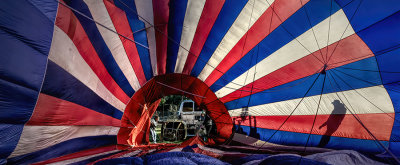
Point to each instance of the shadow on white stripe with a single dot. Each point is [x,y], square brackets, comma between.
[376,94]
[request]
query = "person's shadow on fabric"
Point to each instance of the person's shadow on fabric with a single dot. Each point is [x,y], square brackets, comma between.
[253,128]
[239,128]
[240,119]
[333,122]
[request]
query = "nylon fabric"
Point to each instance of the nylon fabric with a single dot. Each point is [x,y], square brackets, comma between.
[79,80]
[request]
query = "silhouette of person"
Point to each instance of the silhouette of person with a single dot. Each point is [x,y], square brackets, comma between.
[333,122]
[244,113]
[239,128]
[253,129]
[240,119]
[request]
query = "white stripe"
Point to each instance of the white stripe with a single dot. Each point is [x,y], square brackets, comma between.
[145,10]
[192,17]
[64,53]
[113,41]
[70,161]
[35,138]
[247,17]
[376,94]
[294,51]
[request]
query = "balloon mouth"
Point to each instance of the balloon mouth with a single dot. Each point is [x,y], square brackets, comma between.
[135,122]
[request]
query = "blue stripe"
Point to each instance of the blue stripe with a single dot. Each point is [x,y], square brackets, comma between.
[47,8]
[175,24]
[394,92]
[17,101]
[224,21]
[389,66]
[93,159]
[296,24]
[100,46]
[390,62]
[378,25]
[9,137]
[59,83]
[395,136]
[394,147]
[16,107]
[139,35]
[300,139]
[296,89]
[383,36]
[368,12]
[64,148]
[25,42]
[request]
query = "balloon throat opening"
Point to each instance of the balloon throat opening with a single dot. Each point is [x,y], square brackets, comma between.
[196,97]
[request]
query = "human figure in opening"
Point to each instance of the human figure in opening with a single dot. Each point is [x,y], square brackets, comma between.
[333,122]
[205,128]
[153,125]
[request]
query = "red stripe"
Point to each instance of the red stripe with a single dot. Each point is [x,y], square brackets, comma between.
[161,17]
[67,21]
[346,125]
[50,110]
[261,29]
[79,154]
[122,26]
[349,50]
[207,19]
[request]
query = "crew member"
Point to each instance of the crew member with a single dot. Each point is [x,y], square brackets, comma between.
[153,125]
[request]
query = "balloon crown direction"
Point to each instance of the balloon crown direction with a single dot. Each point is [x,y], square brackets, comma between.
[324,69]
